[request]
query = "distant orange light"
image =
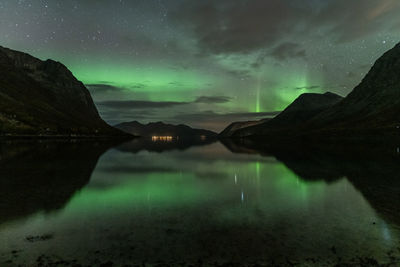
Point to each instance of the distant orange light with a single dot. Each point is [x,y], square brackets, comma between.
[156,138]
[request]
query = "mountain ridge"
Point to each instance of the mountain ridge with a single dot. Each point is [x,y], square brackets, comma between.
[43,98]
[370,111]
[303,108]
[162,129]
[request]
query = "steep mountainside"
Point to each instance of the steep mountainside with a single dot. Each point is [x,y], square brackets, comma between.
[235,126]
[304,108]
[370,111]
[374,103]
[162,129]
[43,97]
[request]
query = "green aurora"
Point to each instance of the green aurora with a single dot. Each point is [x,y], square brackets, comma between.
[179,51]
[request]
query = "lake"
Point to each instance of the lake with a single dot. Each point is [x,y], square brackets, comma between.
[100,204]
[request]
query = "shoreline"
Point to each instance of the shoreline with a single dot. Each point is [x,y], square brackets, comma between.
[67,137]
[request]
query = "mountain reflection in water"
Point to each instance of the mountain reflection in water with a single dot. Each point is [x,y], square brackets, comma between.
[197,203]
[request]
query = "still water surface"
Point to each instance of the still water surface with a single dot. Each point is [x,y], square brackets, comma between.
[139,203]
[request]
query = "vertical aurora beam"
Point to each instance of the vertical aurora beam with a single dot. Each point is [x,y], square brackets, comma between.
[258,89]
[258,171]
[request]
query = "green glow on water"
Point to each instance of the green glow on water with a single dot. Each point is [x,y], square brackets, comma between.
[258,169]
[176,199]
[153,189]
[186,189]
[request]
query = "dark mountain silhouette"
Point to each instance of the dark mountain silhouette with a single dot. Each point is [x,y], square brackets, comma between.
[235,126]
[370,111]
[162,129]
[304,108]
[373,169]
[374,103]
[44,98]
[43,176]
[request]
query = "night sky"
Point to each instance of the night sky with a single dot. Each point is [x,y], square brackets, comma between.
[204,63]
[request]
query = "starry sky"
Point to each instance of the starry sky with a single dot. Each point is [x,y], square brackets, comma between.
[204,63]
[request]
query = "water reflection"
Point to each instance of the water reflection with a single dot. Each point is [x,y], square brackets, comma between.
[43,176]
[164,143]
[162,138]
[205,204]
[373,169]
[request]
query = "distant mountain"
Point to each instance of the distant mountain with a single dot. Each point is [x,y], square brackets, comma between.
[146,144]
[304,108]
[370,111]
[44,98]
[162,129]
[235,126]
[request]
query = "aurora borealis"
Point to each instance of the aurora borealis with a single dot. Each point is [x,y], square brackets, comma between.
[204,63]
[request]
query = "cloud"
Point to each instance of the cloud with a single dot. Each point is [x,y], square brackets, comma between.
[246,26]
[365,67]
[212,99]
[308,87]
[281,52]
[115,116]
[234,116]
[138,86]
[352,20]
[176,84]
[136,169]
[288,51]
[107,87]
[351,74]
[140,104]
[145,104]
[237,26]
[103,87]
[218,121]
[241,74]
